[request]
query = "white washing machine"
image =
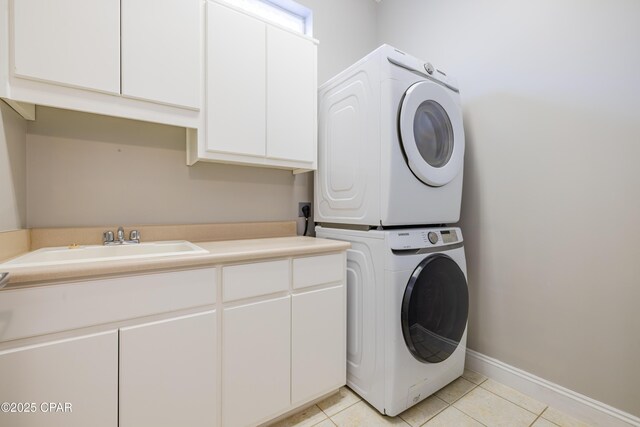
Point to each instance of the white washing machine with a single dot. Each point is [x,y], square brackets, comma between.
[390,144]
[407,308]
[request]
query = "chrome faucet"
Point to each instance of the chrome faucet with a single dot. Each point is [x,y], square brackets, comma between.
[108,237]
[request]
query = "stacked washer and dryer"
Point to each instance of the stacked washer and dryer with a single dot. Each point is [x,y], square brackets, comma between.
[391,150]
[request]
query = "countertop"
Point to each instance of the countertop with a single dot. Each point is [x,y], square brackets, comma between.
[228,251]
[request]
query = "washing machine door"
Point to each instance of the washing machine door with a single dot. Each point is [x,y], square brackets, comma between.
[435,309]
[431,133]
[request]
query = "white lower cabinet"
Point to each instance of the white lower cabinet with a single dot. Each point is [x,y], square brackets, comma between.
[318,343]
[79,373]
[168,372]
[256,361]
[286,345]
[179,350]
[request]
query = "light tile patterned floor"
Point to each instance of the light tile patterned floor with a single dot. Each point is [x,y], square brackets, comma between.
[472,400]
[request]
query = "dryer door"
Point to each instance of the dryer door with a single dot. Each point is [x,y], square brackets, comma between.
[431,132]
[435,309]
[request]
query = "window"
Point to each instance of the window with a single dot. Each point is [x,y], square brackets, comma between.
[286,13]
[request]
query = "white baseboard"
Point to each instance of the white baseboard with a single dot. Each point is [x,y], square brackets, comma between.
[575,404]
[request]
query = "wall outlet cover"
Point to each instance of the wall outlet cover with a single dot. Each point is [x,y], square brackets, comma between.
[300,206]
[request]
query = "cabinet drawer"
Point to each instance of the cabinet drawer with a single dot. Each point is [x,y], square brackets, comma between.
[55,308]
[256,279]
[318,270]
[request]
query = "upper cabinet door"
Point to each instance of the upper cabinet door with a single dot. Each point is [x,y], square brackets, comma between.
[291,102]
[71,42]
[236,88]
[161,50]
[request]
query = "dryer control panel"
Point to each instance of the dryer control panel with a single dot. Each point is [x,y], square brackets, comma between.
[423,238]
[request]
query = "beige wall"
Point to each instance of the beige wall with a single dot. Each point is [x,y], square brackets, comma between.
[551,204]
[85,169]
[90,170]
[13,171]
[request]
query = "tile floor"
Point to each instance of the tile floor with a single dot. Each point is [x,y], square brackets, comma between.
[472,400]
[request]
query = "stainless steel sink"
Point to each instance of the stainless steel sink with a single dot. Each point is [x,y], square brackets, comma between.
[76,254]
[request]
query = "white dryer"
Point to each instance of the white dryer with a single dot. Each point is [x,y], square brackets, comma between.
[390,144]
[407,309]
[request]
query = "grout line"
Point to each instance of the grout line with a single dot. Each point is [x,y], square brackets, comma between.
[548,420]
[470,416]
[326,417]
[448,405]
[440,399]
[347,407]
[478,421]
[434,415]
[475,386]
[534,421]
[323,420]
[519,406]
[500,397]
[541,417]
[481,381]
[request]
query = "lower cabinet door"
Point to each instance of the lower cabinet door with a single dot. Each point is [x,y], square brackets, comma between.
[318,340]
[256,355]
[168,373]
[71,382]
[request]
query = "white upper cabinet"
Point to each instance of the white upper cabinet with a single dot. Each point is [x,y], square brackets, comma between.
[161,51]
[291,103]
[136,59]
[70,42]
[236,88]
[261,93]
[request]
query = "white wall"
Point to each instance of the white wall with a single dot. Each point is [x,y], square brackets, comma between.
[13,171]
[346,30]
[90,170]
[551,204]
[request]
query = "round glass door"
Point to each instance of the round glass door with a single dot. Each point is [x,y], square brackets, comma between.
[435,309]
[431,133]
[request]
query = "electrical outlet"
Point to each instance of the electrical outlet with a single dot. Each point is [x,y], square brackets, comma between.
[300,206]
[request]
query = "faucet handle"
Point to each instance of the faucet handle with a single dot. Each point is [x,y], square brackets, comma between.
[134,236]
[107,237]
[120,234]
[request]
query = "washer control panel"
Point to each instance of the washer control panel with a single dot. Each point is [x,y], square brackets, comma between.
[421,238]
